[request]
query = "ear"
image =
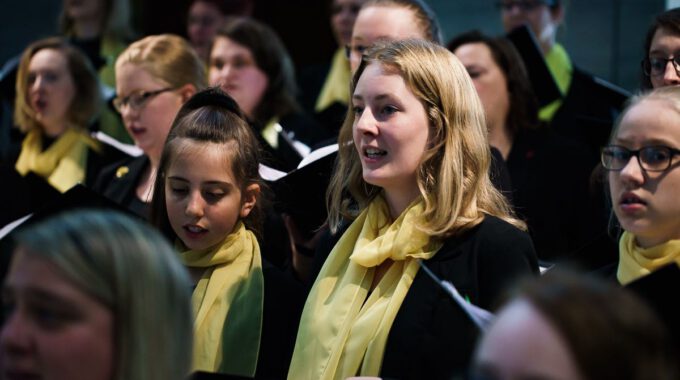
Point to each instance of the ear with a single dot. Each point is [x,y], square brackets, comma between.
[249,199]
[187,91]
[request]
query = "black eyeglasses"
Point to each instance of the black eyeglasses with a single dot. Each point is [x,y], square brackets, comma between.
[650,158]
[138,99]
[524,6]
[656,66]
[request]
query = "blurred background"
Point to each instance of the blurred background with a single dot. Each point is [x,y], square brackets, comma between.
[604,37]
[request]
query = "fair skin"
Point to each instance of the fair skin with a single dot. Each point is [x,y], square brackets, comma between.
[343,15]
[204,20]
[204,201]
[50,90]
[87,16]
[379,23]
[492,89]
[542,20]
[665,45]
[645,202]
[149,124]
[523,345]
[391,132]
[233,68]
[53,329]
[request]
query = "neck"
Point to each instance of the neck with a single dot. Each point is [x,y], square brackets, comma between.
[87,29]
[399,200]
[500,138]
[547,43]
[646,242]
[54,130]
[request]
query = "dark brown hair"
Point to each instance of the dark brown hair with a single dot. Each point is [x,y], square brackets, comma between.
[669,21]
[523,111]
[610,332]
[272,58]
[211,116]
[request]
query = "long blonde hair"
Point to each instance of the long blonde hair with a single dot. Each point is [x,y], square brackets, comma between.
[453,176]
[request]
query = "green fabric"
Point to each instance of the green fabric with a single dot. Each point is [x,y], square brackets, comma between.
[560,67]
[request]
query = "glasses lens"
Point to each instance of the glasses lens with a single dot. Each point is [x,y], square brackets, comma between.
[615,157]
[118,104]
[655,158]
[657,66]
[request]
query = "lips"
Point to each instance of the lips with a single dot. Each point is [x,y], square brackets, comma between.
[374,153]
[630,203]
[136,130]
[631,199]
[39,104]
[193,231]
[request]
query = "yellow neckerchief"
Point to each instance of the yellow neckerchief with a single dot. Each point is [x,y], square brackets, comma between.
[270,134]
[336,87]
[561,69]
[343,330]
[228,342]
[636,262]
[62,164]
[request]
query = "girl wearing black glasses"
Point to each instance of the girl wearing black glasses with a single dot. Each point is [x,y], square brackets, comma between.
[154,77]
[642,160]
[662,46]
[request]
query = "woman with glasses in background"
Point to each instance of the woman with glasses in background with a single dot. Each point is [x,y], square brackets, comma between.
[642,160]
[154,77]
[662,46]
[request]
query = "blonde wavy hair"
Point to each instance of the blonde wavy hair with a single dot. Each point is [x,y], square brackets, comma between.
[453,176]
[167,57]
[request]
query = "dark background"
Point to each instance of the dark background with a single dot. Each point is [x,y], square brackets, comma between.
[604,37]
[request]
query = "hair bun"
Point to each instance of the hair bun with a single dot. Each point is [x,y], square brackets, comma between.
[215,97]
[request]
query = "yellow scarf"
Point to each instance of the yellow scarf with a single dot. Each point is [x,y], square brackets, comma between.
[561,69]
[343,330]
[228,342]
[336,86]
[636,262]
[62,164]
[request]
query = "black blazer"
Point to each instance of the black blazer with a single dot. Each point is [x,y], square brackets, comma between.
[118,182]
[432,337]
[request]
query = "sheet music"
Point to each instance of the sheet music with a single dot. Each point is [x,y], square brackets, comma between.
[482,318]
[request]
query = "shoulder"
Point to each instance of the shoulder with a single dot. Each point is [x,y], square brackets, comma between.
[493,243]
[125,170]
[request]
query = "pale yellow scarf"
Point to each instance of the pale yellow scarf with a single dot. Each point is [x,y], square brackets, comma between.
[344,329]
[62,164]
[336,87]
[636,262]
[228,342]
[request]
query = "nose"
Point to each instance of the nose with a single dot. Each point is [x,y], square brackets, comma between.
[38,83]
[194,207]
[633,173]
[670,75]
[15,336]
[365,123]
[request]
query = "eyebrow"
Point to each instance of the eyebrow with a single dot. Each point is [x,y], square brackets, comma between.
[377,97]
[213,182]
[648,142]
[40,295]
